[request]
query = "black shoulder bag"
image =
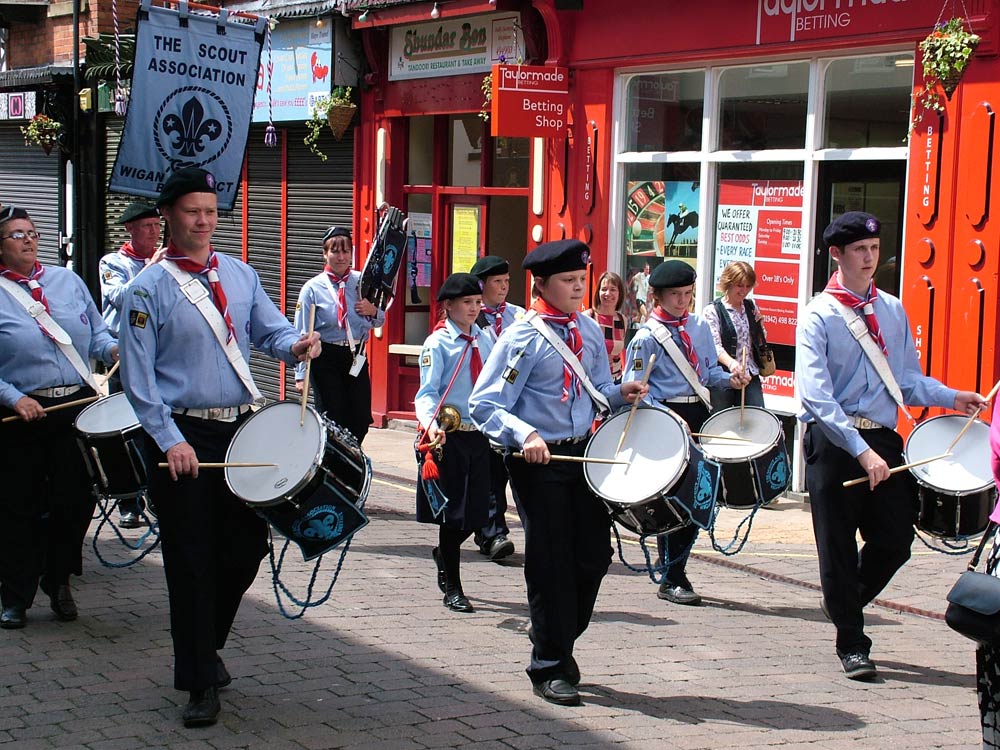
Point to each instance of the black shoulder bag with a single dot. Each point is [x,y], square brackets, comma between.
[974,601]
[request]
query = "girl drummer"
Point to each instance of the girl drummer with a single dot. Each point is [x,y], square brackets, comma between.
[672,286]
[450,363]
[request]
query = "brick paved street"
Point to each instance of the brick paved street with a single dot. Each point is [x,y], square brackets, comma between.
[384,666]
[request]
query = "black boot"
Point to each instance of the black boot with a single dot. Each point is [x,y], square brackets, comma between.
[203,708]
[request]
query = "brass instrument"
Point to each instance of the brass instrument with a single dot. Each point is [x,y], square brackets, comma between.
[449,418]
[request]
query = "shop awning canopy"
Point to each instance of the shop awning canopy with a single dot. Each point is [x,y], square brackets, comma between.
[37,76]
[286,8]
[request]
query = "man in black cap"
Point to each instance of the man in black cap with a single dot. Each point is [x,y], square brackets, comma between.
[188,325]
[117,270]
[851,387]
[531,399]
[497,315]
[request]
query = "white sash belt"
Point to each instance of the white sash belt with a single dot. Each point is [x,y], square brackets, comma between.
[680,361]
[571,359]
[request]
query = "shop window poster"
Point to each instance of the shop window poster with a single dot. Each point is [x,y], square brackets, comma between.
[661,222]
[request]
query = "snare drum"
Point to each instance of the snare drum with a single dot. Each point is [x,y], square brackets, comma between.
[956,494]
[667,483]
[320,478]
[753,472]
[110,437]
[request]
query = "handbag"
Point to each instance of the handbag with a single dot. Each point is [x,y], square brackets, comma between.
[763,354]
[974,601]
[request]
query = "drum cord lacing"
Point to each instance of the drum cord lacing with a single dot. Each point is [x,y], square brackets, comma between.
[955,550]
[651,569]
[106,506]
[728,550]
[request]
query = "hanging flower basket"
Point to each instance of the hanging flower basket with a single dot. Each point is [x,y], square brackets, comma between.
[43,131]
[339,117]
[945,54]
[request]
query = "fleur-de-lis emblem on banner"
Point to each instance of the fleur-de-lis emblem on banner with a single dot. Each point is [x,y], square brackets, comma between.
[191,131]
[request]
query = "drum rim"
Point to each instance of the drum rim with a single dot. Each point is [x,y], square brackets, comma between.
[287,492]
[105,433]
[670,483]
[922,480]
[742,459]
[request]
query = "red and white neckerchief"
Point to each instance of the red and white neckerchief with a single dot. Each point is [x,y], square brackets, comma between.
[497,313]
[31,283]
[129,252]
[866,307]
[476,362]
[679,324]
[341,282]
[211,271]
[573,339]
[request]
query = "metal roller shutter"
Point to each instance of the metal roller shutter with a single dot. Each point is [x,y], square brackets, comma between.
[30,179]
[114,233]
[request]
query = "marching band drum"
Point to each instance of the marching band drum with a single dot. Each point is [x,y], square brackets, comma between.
[109,435]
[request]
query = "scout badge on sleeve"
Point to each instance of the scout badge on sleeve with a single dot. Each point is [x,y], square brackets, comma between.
[378,277]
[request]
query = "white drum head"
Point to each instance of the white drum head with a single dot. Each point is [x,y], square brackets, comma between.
[109,416]
[273,435]
[656,448]
[967,470]
[761,428]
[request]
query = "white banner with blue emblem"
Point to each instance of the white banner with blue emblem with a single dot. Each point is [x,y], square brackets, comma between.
[192,99]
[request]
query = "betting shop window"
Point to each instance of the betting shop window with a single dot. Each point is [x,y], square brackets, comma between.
[868,101]
[664,111]
[763,106]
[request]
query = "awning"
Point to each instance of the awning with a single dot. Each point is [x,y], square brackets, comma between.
[37,76]
[286,8]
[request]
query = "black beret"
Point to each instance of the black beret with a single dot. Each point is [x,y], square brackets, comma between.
[557,257]
[671,274]
[851,227]
[336,232]
[459,285]
[138,210]
[7,213]
[184,181]
[490,265]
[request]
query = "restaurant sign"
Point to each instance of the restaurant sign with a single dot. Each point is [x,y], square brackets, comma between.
[453,46]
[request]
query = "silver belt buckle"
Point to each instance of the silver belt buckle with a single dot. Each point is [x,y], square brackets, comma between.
[214,412]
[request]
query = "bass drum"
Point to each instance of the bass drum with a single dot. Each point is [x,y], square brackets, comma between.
[956,494]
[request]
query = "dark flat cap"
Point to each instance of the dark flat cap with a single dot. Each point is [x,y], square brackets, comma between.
[13,212]
[851,227]
[184,181]
[557,257]
[459,285]
[336,232]
[672,274]
[138,210]
[490,265]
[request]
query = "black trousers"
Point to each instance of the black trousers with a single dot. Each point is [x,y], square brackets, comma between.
[212,547]
[884,517]
[497,525]
[567,552]
[343,398]
[46,504]
[676,546]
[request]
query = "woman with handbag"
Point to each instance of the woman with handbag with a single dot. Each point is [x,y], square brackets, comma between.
[988,656]
[738,330]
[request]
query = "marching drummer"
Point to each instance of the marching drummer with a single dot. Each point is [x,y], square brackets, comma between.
[142,222]
[450,363]
[496,316]
[685,368]
[340,380]
[184,371]
[846,387]
[532,398]
[50,327]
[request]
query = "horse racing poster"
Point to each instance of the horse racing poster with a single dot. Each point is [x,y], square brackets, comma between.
[192,98]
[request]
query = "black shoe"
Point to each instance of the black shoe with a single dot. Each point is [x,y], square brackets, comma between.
[442,578]
[13,618]
[203,708]
[500,547]
[482,542]
[857,666]
[222,677]
[456,601]
[558,691]
[678,594]
[130,520]
[826,612]
[61,600]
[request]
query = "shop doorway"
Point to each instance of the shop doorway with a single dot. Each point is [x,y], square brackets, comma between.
[876,187]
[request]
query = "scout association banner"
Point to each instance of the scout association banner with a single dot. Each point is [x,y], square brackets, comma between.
[192,98]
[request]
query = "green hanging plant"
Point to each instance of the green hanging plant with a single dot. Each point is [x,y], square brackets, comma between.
[946,53]
[335,111]
[43,131]
[487,88]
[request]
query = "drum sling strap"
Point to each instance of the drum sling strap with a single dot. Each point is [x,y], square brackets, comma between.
[571,359]
[357,358]
[199,296]
[859,330]
[680,362]
[62,339]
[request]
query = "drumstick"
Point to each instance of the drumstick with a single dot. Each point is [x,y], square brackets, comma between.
[578,459]
[112,371]
[743,390]
[222,465]
[972,418]
[709,436]
[904,467]
[57,407]
[305,385]
[635,404]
